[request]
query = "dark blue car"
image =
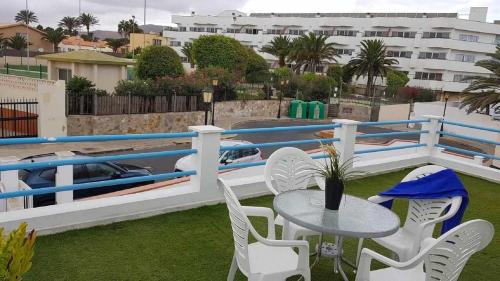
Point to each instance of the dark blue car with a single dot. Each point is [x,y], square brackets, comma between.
[45,177]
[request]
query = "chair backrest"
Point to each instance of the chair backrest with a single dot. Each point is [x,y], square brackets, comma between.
[423,210]
[290,168]
[445,260]
[240,226]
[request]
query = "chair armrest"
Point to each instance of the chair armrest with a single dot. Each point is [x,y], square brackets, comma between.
[301,245]
[263,212]
[368,255]
[377,199]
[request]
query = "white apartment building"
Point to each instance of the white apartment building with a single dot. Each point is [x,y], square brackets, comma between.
[437,50]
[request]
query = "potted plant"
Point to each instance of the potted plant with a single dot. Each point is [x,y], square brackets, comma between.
[336,173]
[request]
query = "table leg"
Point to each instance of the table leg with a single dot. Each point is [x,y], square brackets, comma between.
[339,259]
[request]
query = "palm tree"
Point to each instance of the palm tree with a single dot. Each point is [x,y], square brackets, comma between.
[484,92]
[279,47]
[372,62]
[70,25]
[88,20]
[311,50]
[125,27]
[187,50]
[26,16]
[116,44]
[54,36]
[17,42]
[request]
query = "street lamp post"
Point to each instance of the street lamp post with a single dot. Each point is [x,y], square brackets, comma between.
[207,99]
[215,82]
[282,83]
[133,31]
[446,97]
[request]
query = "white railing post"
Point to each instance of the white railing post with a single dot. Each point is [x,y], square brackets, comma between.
[432,137]
[206,160]
[10,182]
[478,160]
[64,176]
[347,134]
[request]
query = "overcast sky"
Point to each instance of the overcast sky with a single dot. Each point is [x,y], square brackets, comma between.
[110,12]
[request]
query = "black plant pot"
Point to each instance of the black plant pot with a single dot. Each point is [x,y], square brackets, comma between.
[333,194]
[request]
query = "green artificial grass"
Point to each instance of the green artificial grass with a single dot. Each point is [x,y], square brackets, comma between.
[197,244]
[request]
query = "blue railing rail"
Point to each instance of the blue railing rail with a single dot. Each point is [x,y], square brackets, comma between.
[279,143]
[391,134]
[99,184]
[77,160]
[388,148]
[489,129]
[401,122]
[460,136]
[98,138]
[468,152]
[282,129]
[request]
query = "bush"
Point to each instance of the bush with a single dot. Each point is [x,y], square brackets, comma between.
[225,89]
[78,85]
[257,70]
[134,88]
[158,61]
[184,85]
[396,80]
[16,252]
[408,94]
[220,51]
[315,87]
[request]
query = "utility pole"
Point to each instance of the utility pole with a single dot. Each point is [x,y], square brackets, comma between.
[27,37]
[143,32]
[79,8]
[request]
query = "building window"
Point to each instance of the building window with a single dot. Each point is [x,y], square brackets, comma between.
[351,33]
[431,55]
[232,30]
[274,31]
[64,74]
[399,54]
[445,35]
[182,28]
[464,58]
[296,31]
[469,38]
[372,33]
[212,29]
[197,29]
[251,31]
[404,34]
[184,59]
[344,51]
[175,43]
[323,32]
[157,42]
[462,78]
[429,76]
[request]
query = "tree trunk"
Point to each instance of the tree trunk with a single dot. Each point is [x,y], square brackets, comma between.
[369,84]
[281,61]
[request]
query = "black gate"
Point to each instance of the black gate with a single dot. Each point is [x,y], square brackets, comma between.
[18,118]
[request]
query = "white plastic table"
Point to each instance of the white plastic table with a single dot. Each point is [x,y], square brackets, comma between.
[356,217]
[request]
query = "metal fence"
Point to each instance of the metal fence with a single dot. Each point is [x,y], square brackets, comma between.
[115,105]
[18,118]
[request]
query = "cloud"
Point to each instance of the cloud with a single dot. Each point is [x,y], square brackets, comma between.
[110,12]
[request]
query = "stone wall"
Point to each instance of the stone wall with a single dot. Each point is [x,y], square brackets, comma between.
[250,108]
[354,112]
[172,121]
[133,123]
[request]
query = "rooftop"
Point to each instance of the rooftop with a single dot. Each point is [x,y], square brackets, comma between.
[197,244]
[86,56]
[78,41]
[357,15]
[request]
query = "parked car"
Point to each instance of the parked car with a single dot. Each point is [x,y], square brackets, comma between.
[246,155]
[92,172]
[496,113]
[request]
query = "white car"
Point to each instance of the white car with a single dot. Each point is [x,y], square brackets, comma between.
[246,155]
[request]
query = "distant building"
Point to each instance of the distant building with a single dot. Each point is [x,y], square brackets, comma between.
[76,43]
[146,39]
[103,70]
[436,50]
[36,42]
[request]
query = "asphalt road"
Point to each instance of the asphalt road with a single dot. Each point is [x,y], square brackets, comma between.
[166,164]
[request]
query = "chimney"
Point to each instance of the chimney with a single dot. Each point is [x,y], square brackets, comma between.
[478,14]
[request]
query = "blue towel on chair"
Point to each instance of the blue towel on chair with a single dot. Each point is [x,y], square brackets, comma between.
[442,184]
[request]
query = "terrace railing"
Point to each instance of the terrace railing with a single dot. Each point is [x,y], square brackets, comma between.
[202,188]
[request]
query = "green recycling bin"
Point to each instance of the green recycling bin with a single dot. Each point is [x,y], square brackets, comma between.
[316,110]
[298,109]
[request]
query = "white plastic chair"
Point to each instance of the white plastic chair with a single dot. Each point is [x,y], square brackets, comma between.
[441,259]
[421,218]
[266,259]
[287,169]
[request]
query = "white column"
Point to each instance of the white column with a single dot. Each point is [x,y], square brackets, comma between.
[431,138]
[347,134]
[9,181]
[478,160]
[96,75]
[64,176]
[206,160]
